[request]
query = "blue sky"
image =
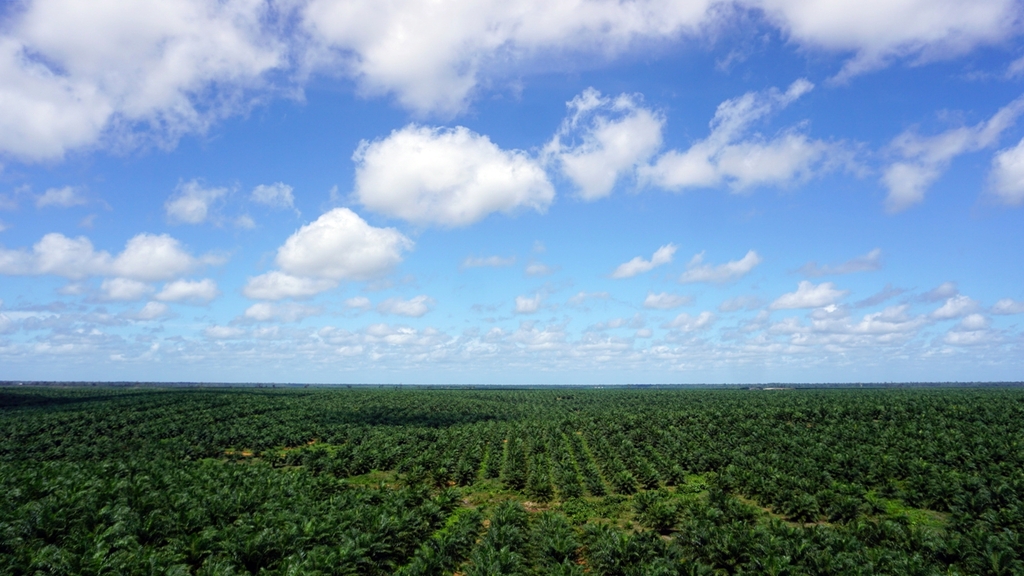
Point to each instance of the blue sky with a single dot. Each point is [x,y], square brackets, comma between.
[568,191]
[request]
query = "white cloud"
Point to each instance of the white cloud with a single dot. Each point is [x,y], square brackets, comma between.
[581,297]
[65,197]
[290,312]
[276,195]
[276,285]
[151,258]
[731,155]
[883,31]
[223,332]
[487,262]
[245,222]
[924,158]
[538,269]
[1016,68]
[635,323]
[448,177]
[972,330]
[339,245]
[967,337]
[527,305]
[941,292]
[697,271]
[199,291]
[866,263]
[687,323]
[638,265]
[413,308]
[892,320]
[191,202]
[809,295]
[72,74]
[973,322]
[1008,306]
[606,139]
[152,311]
[146,257]
[124,289]
[125,73]
[358,303]
[955,307]
[666,301]
[1008,175]
[58,255]
[432,56]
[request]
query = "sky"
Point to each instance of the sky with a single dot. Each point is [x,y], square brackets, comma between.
[494,192]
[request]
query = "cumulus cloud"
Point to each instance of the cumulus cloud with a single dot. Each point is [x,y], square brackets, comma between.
[972,330]
[153,257]
[698,271]
[886,293]
[124,289]
[487,262]
[432,57]
[638,265]
[922,159]
[581,298]
[686,323]
[867,263]
[528,305]
[197,291]
[290,312]
[276,195]
[732,155]
[340,245]
[223,332]
[920,29]
[358,303]
[1008,175]
[955,307]
[277,285]
[941,292]
[538,269]
[65,197]
[191,202]
[892,320]
[152,311]
[973,322]
[58,255]
[809,295]
[1008,306]
[125,73]
[602,140]
[635,323]
[666,301]
[146,257]
[413,307]
[449,177]
[72,75]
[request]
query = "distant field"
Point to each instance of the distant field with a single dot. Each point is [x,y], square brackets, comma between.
[567,481]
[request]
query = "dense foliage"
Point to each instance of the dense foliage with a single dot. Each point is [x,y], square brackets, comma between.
[571,481]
